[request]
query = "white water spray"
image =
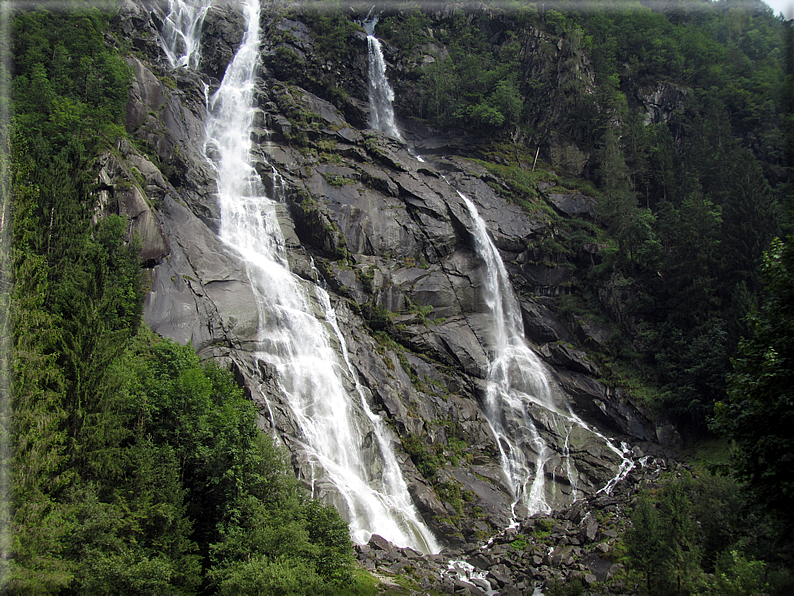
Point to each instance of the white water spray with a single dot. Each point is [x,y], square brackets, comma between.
[517,385]
[291,337]
[466,573]
[516,380]
[381,95]
[181,34]
[396,491]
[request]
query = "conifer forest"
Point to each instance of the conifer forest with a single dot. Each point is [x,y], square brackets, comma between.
[341,298]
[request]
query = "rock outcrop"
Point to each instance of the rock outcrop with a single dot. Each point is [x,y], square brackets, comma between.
[392,241]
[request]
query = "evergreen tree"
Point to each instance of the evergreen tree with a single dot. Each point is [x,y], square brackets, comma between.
[759,412]
[645,542]
[618,206]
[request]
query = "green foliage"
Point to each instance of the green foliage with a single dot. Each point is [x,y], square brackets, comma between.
[425,460]
[758,413]
[736,576]
[476,86]
[67,83]
[331,31]
[661,542]
[697,535]
[193,476]
[618,200]
[645,542]
[78,294]
[337,180]
[406,32]
[520,543]
[542,528]
[378,317]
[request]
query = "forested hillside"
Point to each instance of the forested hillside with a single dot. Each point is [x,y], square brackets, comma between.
[682,122]
[636,165]
[137,470]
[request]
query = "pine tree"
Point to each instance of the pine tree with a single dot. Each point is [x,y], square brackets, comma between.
[759,412]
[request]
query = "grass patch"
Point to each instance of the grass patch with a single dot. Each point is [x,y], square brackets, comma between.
[337,181]
[362,584]
[709,451]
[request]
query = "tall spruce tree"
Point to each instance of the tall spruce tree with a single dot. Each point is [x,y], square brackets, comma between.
[758,415]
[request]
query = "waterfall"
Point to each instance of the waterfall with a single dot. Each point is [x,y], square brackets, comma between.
[381,96]
[181,34]
[295,320]
[516,379]
[394,483]
[519,396]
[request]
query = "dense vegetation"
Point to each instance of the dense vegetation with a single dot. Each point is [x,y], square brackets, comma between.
[696,535]
[136,469]
[687,202]
[758,413]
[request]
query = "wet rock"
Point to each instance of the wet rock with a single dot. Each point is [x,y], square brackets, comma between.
[394,243]
[541,325]
[570,358]
[222,33]
[661,101]
[511,226]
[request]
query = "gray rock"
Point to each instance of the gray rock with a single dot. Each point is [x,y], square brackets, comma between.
[511,227]
[570,358]
[180,304]
[121,195]
[661,101]
[574,204]
[541,325]
[378,542]
[222,32]
[385,231]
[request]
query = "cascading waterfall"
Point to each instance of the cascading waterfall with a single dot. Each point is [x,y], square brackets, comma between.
[516,379]
[393,481]
[291,337]
[381,95]
[181,34]
[518,392]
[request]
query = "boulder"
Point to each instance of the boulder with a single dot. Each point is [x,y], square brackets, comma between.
[573,204]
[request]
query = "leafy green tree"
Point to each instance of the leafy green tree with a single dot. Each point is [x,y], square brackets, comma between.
[758,415]
[736,576]
[645,542]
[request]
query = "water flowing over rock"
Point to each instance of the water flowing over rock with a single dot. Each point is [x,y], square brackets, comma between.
[381,95]
[529,418]
[358,299]
[181,32]
[288,335]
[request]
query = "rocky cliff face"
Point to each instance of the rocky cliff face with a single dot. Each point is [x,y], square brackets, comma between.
[391,240]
